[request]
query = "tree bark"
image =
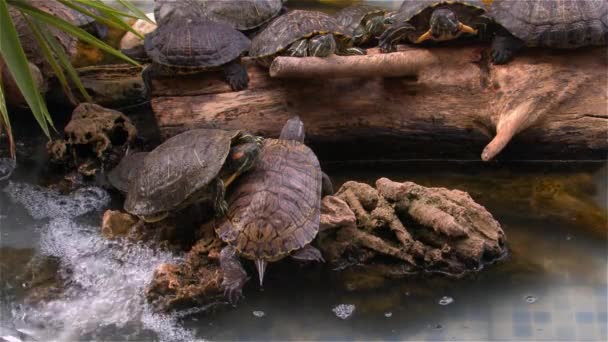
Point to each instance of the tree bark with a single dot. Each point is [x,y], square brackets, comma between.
[552,104]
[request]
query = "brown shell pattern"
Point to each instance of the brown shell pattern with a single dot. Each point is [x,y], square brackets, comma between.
[554,23]
[176,169]
[290,27]
[195,43]
[274,209]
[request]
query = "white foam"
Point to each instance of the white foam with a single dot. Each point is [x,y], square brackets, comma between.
[42,203]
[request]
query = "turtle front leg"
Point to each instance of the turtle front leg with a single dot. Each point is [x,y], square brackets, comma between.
[235,276]
[308,253]
[147,75]
[393,34]
[504,47]
[236,76]
[220,205]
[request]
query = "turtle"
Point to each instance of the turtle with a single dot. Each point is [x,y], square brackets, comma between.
[191,46]
[273,210]
[562,24]
[301,33]
[421,20]
[362,22]
[243,15]
[191,167]
[126,169]
[90,24]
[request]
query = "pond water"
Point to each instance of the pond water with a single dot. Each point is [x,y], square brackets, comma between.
[552,286]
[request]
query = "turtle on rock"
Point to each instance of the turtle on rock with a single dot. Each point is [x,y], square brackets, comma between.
[191,167]
[273,210]
[562,24]
[362,22]
[417,21]
[301,33]
[191,46]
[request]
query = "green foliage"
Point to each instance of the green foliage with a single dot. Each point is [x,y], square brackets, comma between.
[39,22]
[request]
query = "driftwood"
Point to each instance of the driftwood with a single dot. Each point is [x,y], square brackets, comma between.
[551,103]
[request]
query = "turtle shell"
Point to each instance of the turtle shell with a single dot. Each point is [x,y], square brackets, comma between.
[242,14]
[291,27]
[351,17]
[418,12]
[195,43]
[177,169]
[554,23]
[274,209]
[120,176]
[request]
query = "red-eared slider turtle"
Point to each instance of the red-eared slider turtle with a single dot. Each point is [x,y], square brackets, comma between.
[191,46]
[190,167]
[421,20]
[301,33]
[274,210]
[562,24]
[362,22]
[121,175]
[243,15]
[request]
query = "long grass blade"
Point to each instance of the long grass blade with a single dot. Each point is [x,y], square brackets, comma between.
[109,19]
[47,51]
[134,9]
[6,123]
[103,8]
[16,62]
[69,28]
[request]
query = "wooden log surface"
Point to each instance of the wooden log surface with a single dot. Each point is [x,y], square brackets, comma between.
[455,105]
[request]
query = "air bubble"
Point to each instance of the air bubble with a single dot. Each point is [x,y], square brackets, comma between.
[445,300]
[344,311]
[388,314]
[259,314]
[530,299]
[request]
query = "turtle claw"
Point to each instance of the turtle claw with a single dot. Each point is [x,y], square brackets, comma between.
[233,294]
[222,208]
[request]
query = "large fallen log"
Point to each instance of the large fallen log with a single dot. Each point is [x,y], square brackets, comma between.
[455,104]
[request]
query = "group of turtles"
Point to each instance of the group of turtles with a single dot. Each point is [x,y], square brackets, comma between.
[198,35]
[271,211]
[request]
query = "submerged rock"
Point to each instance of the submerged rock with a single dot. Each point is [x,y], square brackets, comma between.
[95,137]
[116,224]
[405,228]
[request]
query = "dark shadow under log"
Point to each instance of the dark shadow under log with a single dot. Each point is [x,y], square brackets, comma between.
[551,104]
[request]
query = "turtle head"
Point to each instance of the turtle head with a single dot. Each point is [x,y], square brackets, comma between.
[322,45]
[375,26]
[241,158]
[444,25]
[293,130]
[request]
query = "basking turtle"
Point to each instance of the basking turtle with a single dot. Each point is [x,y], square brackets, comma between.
[362,22]
[191,46]
[120,176]
[301,33]
[243,15]
[421,20]
[274,211]
[562,24]
[190,167]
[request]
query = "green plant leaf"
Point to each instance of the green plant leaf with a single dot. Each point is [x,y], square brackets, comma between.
[69,28]
[16,62]
[109,20]
[103,8]
[134,9]
[5,122]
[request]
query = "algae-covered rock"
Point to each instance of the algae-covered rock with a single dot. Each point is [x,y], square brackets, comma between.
[405,228]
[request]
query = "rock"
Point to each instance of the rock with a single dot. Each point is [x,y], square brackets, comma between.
[12,94]
[117,224]
[130,40]
[195,282]
[422,229]
[95,137]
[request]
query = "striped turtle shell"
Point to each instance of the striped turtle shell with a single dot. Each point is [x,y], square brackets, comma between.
[177,170]
[195,43]
[418,12]
[275,208]
[554,23]
[291,27]
[351,17]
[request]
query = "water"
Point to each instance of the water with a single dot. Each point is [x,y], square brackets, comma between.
[552,286]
